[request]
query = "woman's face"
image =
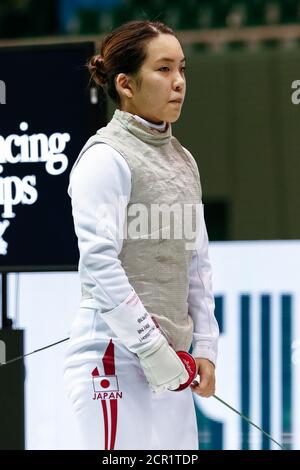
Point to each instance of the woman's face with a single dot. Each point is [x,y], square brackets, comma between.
[162,80]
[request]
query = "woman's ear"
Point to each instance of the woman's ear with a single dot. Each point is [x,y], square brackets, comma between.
[124,85]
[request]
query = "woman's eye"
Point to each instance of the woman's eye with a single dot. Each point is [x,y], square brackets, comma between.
[167,69]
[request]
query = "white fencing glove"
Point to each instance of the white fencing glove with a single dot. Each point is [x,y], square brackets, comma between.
[162,367]
[136,329]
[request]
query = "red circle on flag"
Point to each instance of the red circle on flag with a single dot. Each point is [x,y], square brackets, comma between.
[105,383]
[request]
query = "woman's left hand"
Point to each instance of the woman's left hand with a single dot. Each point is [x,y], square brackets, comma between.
[206,371]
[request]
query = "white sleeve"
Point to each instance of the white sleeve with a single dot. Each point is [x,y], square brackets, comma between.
[201,299]
[100,187]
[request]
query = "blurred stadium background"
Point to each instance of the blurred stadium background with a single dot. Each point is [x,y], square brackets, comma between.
[241,125]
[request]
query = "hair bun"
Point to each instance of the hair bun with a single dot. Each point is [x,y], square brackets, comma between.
[99,61]
[97,69]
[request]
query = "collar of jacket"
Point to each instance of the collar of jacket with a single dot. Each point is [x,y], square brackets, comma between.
[150,136]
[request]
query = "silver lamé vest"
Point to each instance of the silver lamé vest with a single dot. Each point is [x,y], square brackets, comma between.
[156,258]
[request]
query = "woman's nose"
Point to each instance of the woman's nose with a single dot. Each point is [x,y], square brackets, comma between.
[179,81]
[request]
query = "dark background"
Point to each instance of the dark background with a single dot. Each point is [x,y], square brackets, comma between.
[47,87]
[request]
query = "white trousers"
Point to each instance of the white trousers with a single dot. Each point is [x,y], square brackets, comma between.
[113,403]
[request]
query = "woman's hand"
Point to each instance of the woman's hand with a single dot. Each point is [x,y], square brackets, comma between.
[206,371]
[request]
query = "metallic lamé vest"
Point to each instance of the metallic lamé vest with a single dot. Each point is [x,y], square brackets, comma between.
[156,264]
